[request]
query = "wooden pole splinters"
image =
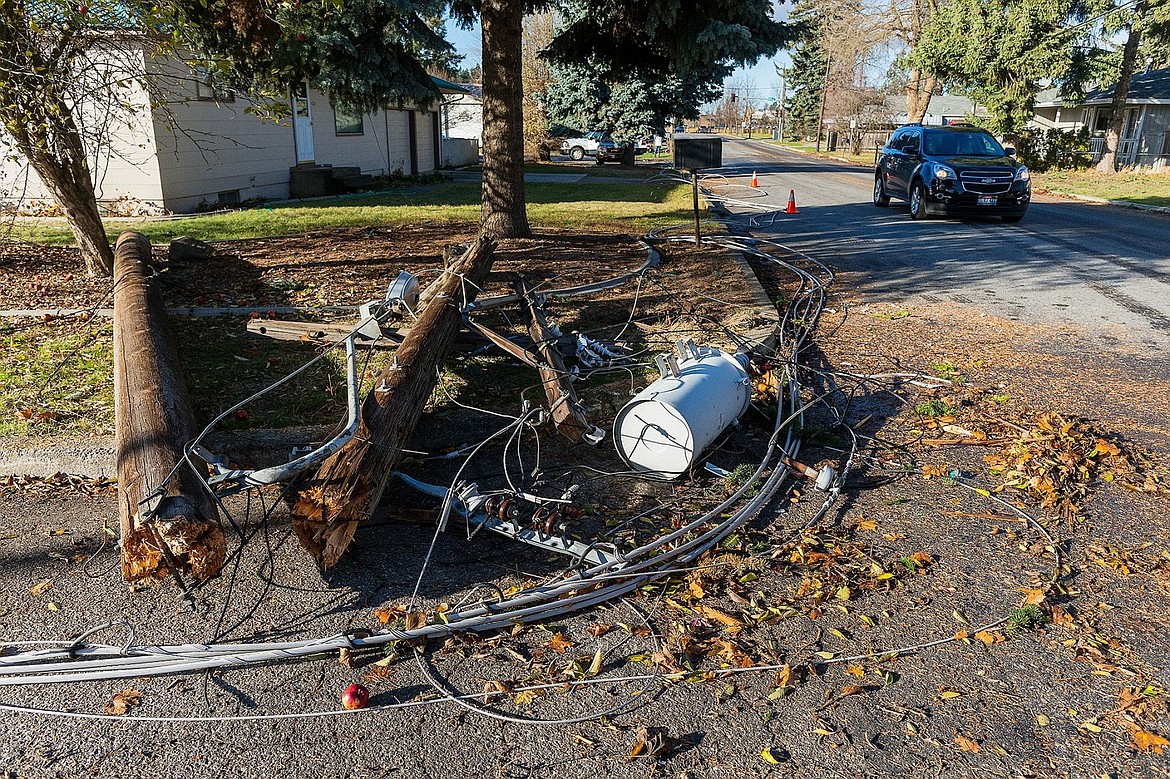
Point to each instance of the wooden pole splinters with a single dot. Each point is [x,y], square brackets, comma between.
[349,484]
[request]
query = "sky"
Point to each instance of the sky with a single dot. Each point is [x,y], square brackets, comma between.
[756,83]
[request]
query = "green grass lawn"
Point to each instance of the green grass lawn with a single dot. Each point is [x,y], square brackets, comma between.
[1152,189]
[590,205]
[55,378]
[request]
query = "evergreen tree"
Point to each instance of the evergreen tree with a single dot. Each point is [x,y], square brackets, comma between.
[1146,25]
[806,76]
[630,79]
[1000,52]
[578,96]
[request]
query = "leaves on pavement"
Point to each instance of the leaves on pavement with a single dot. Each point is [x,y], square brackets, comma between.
[122,702]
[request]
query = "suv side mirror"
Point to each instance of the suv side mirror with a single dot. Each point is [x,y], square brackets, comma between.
[1009,151]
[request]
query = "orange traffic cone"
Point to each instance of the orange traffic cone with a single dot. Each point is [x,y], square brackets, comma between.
[755,180]
[791,209]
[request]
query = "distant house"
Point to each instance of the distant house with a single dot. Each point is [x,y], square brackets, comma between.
[1145,134]
[462,114]
[942,109]
[190,144]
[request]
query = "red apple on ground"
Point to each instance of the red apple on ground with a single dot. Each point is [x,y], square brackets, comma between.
[355,697]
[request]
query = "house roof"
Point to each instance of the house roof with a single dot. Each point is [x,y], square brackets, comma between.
[940,106]
[448,87]
[1150,86]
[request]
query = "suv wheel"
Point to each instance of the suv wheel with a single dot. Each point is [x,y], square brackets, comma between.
[917,201]
[880,198]
[576,153]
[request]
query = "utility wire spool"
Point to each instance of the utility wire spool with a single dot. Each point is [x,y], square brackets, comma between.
[700,392]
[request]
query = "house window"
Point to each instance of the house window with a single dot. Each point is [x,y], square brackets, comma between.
[207,88]
[347,121]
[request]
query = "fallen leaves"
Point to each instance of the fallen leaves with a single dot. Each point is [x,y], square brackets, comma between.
[784,681]
[122,702]
[559,643]
[1147,741]
[733,624]
[390,614]
[59,482]
[967,745]
[649,744]
[40,589]
[1055,463]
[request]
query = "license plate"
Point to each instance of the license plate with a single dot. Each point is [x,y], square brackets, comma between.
[987,200]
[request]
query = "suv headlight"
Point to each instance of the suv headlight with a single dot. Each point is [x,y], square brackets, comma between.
[943,172]
[1022,174]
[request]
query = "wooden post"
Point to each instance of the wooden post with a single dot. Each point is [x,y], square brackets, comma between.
[568,417]
[348,486]
[169,523]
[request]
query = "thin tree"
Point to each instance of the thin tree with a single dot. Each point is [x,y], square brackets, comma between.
[55,57]
[1147,27]
[907,20]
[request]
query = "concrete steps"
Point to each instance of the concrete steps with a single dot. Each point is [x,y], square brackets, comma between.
[317,180]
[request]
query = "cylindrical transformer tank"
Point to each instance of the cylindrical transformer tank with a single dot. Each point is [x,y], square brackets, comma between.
[665,427]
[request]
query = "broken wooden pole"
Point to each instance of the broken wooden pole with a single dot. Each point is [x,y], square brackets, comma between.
[567,415]
[168,519]
[348,486]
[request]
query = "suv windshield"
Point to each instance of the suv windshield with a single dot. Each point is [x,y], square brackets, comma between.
[961,144]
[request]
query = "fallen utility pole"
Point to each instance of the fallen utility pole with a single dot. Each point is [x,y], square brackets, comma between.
[349,484]
[168,519]
[567,415]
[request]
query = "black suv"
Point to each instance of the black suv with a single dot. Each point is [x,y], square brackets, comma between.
[956,169]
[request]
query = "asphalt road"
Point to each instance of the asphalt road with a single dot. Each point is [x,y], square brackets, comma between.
[1102,269]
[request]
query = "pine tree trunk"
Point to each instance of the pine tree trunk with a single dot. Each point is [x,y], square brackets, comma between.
[1108,163]
[503,214]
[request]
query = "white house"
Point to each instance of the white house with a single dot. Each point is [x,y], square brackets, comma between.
[1145,130]
[188,145]
[460,122]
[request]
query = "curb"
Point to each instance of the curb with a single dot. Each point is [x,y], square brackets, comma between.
[94,457]
[1106,202]
[91,457]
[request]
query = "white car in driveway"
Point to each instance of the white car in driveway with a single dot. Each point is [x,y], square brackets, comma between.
[586,145]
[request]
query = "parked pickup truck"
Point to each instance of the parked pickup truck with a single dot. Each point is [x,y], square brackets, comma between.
[578,148]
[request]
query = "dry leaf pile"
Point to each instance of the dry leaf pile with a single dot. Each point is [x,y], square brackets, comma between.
[59,482]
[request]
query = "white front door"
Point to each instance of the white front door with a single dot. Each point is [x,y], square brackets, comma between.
[303,123]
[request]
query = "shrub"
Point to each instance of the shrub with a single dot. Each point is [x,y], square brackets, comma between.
[1053,149]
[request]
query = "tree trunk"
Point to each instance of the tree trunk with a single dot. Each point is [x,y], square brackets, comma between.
[167,517]
[503,212]
[1108,163]
[65,173]
[75,196]
[918,91]
[348,486]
